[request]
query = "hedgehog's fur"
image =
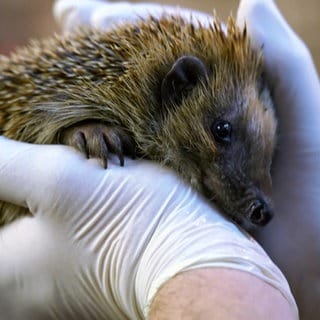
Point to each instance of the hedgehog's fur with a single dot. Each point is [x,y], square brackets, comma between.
[115,78]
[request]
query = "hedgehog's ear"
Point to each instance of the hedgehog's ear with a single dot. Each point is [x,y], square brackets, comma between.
[184,75]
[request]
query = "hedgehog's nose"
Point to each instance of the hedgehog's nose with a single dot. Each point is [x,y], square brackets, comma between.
[260,213]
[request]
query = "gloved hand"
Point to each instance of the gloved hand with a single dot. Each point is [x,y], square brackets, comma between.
[293,237]
[101,242]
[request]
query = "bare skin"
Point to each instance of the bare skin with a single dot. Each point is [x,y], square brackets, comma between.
[201,294]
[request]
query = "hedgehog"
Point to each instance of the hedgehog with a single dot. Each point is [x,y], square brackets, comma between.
[189,96]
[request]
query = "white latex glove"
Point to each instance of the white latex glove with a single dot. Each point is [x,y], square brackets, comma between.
[101,242]
[293,237]
[71,14]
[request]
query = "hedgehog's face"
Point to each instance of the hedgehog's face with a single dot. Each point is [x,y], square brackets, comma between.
[225,148]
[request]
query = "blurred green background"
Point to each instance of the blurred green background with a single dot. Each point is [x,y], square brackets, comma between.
[21,20]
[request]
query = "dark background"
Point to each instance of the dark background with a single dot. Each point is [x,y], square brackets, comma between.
[21,20]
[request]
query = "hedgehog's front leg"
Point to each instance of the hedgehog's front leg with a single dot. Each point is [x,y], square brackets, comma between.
[97,140]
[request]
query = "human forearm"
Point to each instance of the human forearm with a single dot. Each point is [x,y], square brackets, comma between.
[219,294]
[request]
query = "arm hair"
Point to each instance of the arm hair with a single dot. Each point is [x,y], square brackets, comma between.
[219,293]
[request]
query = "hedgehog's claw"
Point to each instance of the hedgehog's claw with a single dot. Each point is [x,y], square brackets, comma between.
[113,139]
[81,143]
[97,140]
[103,151]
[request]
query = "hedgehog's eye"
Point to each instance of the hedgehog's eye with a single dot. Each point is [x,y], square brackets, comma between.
[221,131]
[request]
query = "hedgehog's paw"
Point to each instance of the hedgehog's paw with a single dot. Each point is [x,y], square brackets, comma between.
[97,140]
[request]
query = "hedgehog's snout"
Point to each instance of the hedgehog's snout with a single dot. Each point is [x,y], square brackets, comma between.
[260,213]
